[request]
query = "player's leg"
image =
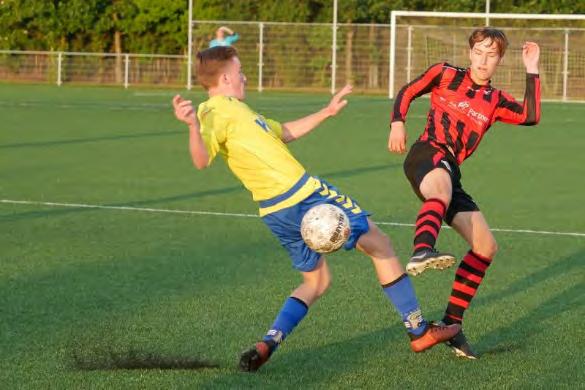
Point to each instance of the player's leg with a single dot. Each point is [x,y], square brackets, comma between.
[430,173]
[436,189]
[399,289]
[473,227]
[285,225]
[315,283]
[295,308]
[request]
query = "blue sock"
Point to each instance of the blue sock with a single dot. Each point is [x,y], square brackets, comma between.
[292,312]
[401,294]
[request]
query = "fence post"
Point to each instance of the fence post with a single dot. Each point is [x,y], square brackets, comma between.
[190,45]
[334,48]
[260,54]
[409,57]
[392,54]
[59,62]
[566,64]
[126,68]
[454,58]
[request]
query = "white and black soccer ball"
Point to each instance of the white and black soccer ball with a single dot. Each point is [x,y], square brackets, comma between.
[325,228]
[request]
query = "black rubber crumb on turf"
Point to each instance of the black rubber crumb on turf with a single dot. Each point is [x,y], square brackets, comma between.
[137,360]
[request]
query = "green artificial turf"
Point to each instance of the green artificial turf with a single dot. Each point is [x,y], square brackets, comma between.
[81,287]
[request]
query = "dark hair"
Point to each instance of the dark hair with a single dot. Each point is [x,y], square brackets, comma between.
[211,62]
[492,34]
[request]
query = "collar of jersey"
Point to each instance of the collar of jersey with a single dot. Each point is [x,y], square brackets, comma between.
[475,86]
[219,97]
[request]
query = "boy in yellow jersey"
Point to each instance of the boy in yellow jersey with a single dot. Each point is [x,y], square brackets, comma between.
[255,151]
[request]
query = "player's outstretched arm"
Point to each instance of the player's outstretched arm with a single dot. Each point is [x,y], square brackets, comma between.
[226,30]
[185,112]
[296,129]
[528,112]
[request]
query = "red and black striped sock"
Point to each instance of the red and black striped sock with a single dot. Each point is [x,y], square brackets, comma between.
[468,277]
[428,224]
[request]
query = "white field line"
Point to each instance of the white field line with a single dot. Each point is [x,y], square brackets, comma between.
[243,215]
[168,94]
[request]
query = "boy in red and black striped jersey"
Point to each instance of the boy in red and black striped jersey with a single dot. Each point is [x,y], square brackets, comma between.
[464,105]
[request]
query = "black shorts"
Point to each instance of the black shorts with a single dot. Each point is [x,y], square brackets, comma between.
[422,158]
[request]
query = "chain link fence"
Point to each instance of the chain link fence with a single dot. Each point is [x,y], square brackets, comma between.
[92,68]
[298,56]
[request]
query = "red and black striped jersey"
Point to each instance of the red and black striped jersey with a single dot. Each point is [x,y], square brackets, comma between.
[463,111]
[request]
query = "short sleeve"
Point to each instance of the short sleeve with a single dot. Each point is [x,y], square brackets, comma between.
[213,131]
[231,39]
[275,126]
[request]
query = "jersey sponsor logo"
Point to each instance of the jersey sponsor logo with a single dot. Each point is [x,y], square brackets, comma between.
[465,107]
[477,115]
[260,122]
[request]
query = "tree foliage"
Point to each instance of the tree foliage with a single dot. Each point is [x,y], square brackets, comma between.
[160,26]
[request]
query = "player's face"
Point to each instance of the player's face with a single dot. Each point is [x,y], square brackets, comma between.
[235,79]
[484,58]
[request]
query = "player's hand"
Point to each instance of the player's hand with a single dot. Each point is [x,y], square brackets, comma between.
[184,111]
[530,56]
[397,138]
[337,102]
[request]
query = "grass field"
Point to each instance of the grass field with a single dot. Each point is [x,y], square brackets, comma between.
[89,282]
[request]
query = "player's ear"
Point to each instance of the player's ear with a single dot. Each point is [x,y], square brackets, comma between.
[224,79]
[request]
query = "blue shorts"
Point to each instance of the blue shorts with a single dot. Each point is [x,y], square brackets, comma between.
[286,225]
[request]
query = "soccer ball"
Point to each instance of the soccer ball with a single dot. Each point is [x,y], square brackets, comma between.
[325,228]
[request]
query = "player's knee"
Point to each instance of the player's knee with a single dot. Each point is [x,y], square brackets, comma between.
[437,185]
[319,287]
[375,243]
[488,248]
[324,286]
[443,196]
[321,284]
[384,246]
[493,249]
[440,193]
[379,238]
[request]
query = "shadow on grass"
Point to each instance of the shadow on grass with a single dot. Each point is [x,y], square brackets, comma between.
[513,337]
[516,335]
[99,295]
[192,195]
[312,367]
[89,140]
[552,271]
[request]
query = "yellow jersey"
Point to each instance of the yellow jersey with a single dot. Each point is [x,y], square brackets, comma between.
[253,149]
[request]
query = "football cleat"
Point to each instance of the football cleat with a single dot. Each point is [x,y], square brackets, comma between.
[461,347]
[429,258]
[433,335]
[252,359]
